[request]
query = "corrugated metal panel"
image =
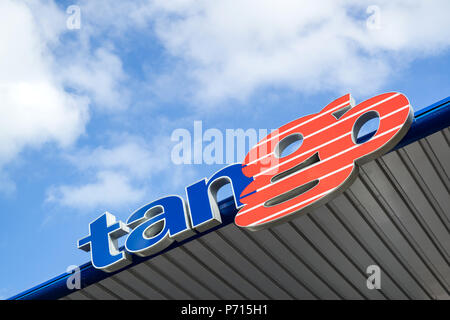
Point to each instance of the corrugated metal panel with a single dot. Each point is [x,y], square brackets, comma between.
[395,215]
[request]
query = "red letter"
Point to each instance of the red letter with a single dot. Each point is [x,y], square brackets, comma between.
[325,163]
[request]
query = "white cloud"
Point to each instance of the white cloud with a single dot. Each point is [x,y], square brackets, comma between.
[225,49]
[98,75]
[35,70]
[34,112]
[121,174]
[110,190]
[34,107]
[132,156]
[231,49]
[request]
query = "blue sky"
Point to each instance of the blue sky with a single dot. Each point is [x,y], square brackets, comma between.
[88,113]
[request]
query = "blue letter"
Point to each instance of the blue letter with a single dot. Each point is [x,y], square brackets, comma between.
[202,196]
[156,225]
[102,242]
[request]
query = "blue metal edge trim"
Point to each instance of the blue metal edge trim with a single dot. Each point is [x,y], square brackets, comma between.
[427,121]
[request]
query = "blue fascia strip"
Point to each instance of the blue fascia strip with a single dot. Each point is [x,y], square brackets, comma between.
[426,122]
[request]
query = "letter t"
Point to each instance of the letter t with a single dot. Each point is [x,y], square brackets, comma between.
[102,242]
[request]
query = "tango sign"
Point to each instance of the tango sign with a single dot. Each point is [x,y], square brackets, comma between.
[268,187]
